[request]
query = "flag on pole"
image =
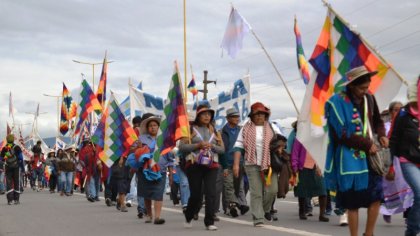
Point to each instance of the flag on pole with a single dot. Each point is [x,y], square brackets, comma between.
[301,59]
[191,86]
[88,103]
[174,124]
[59,144]
[114,135]
[101,93]
[125,105]
[236,29]
[68,110]
[338,50]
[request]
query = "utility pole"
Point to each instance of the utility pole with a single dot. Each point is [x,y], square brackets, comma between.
[205,82]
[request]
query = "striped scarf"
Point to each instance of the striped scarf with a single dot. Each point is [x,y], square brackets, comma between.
[249,135]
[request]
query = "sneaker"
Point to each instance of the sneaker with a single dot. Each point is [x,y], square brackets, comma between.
[159,221]
[274,217]
[244,209]
[140,215]
[188,225]
[108,202]
[128,203]
[148,219]
[323,219]
[259,224]
[328,212]
[68,194]
[309,214]
[211,227]
[273,211]
[387,219]
[268,217]
[124,209]
[343,220]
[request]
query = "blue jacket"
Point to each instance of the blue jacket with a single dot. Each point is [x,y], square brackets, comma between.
[229,139]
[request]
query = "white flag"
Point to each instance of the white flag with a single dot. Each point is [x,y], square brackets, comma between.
[236,30]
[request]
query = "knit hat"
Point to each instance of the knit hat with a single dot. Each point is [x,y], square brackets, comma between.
[412,93]
[10,138]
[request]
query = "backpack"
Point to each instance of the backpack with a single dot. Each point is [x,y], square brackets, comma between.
[12,160]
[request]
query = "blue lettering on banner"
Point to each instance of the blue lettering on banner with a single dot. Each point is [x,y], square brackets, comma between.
[152,100]
[245,110]
[238,87]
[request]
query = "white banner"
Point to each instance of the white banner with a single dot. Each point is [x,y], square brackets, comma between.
[239,96]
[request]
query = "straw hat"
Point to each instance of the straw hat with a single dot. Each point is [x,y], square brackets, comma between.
[357,73]
[146,121]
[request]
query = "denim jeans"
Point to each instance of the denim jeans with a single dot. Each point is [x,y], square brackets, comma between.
[93,186]
[184,187]
[412,176]
[66,178]
[2,188]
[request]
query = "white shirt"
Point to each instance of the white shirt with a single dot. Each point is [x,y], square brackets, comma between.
[258,140]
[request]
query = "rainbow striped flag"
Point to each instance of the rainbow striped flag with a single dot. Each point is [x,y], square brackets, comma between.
[338,50]
[236,30]
[101,93]
[191,86]
[88,103]
[174,124]
[301,59]
[68,110]
[47,172]
[114,135]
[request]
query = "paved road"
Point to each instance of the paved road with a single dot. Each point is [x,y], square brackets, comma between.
[42,213]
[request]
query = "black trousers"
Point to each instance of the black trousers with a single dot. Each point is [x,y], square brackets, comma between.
[201,177]
[53,182]
[12,184]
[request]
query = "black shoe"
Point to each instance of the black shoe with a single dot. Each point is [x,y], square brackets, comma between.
[244,209]
[108,202]
[90,199]
[184,209]
[233,212]
[323,219]
[268,217]
[140,215]
[159,221]
[195,217]
[303,217]
[274,216]
[273,211]
[97,199]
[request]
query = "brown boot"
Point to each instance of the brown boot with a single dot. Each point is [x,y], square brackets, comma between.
[322,206]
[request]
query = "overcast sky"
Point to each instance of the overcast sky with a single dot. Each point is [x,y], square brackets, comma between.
[39,39]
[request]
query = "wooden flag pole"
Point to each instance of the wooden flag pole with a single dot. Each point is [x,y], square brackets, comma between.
[185,51]
[328,5]
[277,71]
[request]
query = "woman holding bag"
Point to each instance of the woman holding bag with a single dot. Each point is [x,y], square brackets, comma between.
[202,165]
[349,113]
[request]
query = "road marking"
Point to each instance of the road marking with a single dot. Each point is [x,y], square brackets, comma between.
[270,227]
[243,222]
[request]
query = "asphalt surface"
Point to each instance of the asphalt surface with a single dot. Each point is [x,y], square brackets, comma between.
[42,213]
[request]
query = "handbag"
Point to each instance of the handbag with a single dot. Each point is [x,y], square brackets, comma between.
[381,161]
